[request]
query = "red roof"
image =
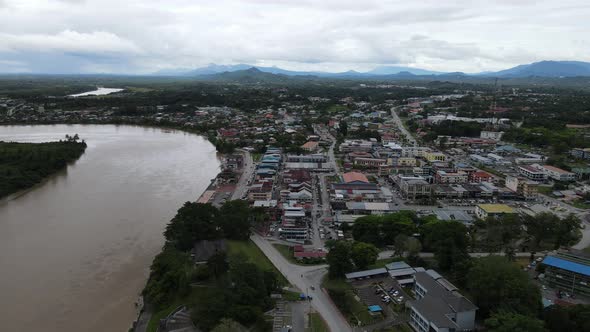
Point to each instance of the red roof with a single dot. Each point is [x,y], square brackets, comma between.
[298,248]
[481,174]
[354,176]
[310,254]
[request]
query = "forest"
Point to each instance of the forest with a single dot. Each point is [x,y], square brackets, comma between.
[22,165]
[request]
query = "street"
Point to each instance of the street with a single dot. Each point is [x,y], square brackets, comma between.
[247,171]
[304,277]
[401,126]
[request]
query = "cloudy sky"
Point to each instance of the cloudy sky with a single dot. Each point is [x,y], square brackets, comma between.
[143,36]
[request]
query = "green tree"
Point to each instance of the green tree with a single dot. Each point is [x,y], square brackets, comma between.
[338,258]
[513,322]
[193,222]
[449,241]
[235,219]
[564,319]
[363,254]
[218,264]
[497,284]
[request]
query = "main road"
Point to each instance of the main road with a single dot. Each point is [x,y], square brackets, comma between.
[401,126]
[304,278]
[247,171]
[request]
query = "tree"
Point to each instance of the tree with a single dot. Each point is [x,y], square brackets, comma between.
[513,322]
[217,264]
[193,222]
[564,319]
[497,284]
[235,219]
[547,228]
[448,240]
[363,254]
[338,258]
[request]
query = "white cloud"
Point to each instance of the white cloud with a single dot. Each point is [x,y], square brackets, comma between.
[145,35]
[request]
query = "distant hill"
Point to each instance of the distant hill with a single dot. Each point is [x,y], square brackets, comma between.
[250,75]
[546,69]
[549,69]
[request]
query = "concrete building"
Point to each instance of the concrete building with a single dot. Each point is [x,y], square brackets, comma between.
[450,177]
[558,174]
[435,156]
[528,189]
[413,187]
[439,306]
[580,153]
[310,146]
[483,211]
[532,173]
[481,176]
[370,162]
[494,135]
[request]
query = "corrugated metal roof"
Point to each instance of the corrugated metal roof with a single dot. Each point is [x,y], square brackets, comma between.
[367,273]
[567,265]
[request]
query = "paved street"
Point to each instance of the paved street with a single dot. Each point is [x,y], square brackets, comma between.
[303,277]
[248,170]
[401,126]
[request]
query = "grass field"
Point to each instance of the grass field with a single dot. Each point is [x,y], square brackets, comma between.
[316,323]
[357,311]
[254,255]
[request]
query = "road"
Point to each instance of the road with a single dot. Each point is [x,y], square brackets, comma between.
[401,126]
[304,277]
[247,171]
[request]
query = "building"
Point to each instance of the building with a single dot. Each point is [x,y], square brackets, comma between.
[354,177]
[310,146]
[493,135]
[481,176]
[450,177]
[370,162]
[366,274]
[413,187]
[435,156]
[483,211]
[528,189]
[568,271]
[439,306]
[558,174]
[580,153]
[402,272]
[532,173]
[406,162]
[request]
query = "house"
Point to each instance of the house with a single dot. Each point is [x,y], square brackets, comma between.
[205,249]
[413,187]
[483,211]
[439,306]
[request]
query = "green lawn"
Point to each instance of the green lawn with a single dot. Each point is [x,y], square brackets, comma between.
[256,157]
[355,310]
[253,254]
[546,190]
[316,323]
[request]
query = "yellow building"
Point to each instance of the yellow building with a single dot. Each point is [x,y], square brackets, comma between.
[435,156]
[483,211]
[406,162]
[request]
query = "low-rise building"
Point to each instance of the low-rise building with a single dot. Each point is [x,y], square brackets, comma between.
[481,176]
[310,146]
[523,187]
[580,153]
[450,177]
[370,162]
[568,271]
[435,156]
[413,187]
[439,306]
[483,211]
[558,174]
[532,173]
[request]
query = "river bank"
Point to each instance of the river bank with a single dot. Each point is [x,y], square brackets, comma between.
[98,226]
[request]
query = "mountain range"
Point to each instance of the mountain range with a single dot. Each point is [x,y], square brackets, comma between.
[552,69]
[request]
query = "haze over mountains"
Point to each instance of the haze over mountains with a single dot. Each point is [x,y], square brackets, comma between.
[537,69]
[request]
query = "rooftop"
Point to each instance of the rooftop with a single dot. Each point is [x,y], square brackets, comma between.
[496,208]
[567,265]
[354,176]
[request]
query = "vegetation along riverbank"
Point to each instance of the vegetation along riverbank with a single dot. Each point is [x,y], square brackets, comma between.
[22,165]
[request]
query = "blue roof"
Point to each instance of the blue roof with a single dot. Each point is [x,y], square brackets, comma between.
[375,308]
[567,265]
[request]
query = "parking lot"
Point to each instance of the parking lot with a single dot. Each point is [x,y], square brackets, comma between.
[381,291]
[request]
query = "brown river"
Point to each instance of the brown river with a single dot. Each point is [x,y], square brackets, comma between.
[75,251]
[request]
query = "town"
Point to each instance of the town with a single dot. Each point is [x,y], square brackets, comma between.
[375,212]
